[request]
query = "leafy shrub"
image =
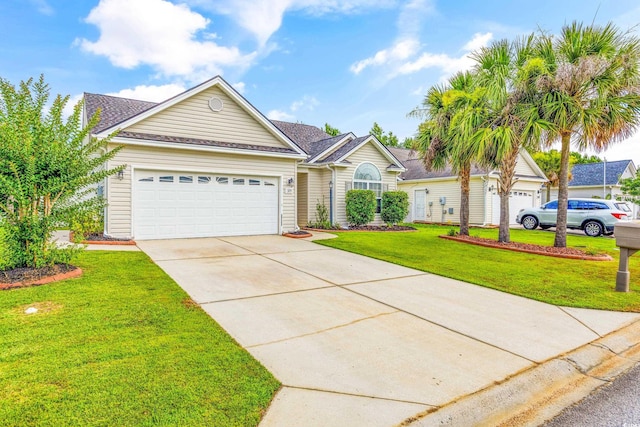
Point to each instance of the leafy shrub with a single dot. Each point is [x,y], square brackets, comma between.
[86,222]
[395,207]
[322,216]
[361,206]
[452,232]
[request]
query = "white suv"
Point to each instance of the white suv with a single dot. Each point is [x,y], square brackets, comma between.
[593,216]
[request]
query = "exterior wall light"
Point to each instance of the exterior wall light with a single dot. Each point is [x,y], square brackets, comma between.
[121,175]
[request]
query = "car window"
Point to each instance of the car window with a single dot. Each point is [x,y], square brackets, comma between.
[623,207]
[574,204]
[551,205]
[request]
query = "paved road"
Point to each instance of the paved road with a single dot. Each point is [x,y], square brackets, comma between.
[616,404]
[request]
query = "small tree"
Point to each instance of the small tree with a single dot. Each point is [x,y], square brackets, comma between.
[49,171]
[361,206]
[395,207]
[631,188]
[331,130]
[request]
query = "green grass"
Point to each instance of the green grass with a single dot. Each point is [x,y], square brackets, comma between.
[574,283]
[122,345]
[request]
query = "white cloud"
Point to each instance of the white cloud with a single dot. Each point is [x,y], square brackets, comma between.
[307,103]
[280,115]
[263,18]
[401,60]
[42,6]
[478,41]
[151,93]
[241,87]
[398,52]
[162,35]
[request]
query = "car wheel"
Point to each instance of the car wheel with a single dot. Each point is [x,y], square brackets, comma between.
[592,228]
[529,222]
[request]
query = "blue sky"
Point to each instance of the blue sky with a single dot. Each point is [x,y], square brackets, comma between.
[347,63]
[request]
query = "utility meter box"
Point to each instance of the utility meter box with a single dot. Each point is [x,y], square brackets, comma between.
[443,200]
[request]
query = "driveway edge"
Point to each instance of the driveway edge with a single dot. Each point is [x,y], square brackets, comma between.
[538,394]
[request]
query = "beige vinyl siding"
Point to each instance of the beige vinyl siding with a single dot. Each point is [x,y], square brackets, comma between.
[479,202]
[370,154]
[192,118]
[302,198]
[523,168]
[119,192]
[318,191]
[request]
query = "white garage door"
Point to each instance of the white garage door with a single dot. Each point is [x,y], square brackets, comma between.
[518,199]
[172,205]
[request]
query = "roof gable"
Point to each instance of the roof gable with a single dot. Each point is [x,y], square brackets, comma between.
[188,118]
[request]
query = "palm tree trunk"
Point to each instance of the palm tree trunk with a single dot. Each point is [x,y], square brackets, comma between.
[507,172]
[465,174]
[563,192]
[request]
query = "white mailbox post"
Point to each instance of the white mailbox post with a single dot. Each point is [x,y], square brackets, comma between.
[628,239]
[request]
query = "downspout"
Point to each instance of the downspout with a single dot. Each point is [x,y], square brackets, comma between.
[331,194]
[485,183]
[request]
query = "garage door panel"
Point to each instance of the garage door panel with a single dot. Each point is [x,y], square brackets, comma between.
[170,205]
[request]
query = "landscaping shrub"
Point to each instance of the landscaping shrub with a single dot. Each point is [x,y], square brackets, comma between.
[86,222]
[395,207]
[50,168]
[361,206]
[322,216]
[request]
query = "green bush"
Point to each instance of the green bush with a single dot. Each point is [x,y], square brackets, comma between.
[361,206]
[86,222]
[395,207]
[322,216]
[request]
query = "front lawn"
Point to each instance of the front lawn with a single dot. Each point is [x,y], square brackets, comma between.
[574,283]
[122,345]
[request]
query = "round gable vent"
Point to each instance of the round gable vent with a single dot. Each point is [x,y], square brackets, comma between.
[216,104]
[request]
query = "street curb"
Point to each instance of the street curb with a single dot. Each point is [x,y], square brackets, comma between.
[533,396]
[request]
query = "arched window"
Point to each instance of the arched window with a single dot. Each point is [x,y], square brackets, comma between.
[368,177]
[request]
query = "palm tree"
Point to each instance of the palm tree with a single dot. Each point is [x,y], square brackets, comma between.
[587,84]
[443,138]
[508,126]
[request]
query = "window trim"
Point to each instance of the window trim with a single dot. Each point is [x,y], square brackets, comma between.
[378,192]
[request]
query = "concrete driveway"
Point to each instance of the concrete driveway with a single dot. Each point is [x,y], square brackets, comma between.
[361,342]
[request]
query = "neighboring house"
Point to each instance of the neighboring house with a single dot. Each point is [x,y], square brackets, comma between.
[208,163]
[434,196]
[599,180]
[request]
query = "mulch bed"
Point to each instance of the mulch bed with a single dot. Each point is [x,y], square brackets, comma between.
[26,276]
[395,228]
[298,234]
[571,253]
[101,239]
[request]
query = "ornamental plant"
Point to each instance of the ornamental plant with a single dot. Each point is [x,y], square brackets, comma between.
[395,207]
[50,169]
[361,207]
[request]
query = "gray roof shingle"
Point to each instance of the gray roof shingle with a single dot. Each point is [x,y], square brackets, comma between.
[416,170]
[335,156]
[593,173]
[114,110]
[303,135]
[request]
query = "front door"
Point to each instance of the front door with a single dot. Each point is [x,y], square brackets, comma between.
[420,201]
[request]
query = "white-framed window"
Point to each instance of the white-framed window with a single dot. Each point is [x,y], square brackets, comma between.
[368,177]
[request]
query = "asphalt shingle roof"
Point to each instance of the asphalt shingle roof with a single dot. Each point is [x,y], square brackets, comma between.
[205,142]
[593,173]
[416,170]
[343,150]
[114,109]
[303,135]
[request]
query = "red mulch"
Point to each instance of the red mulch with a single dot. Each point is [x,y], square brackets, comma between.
[27,276]
[572,253]
[367,228]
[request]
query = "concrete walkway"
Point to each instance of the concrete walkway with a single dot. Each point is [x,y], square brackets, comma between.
[361,342]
